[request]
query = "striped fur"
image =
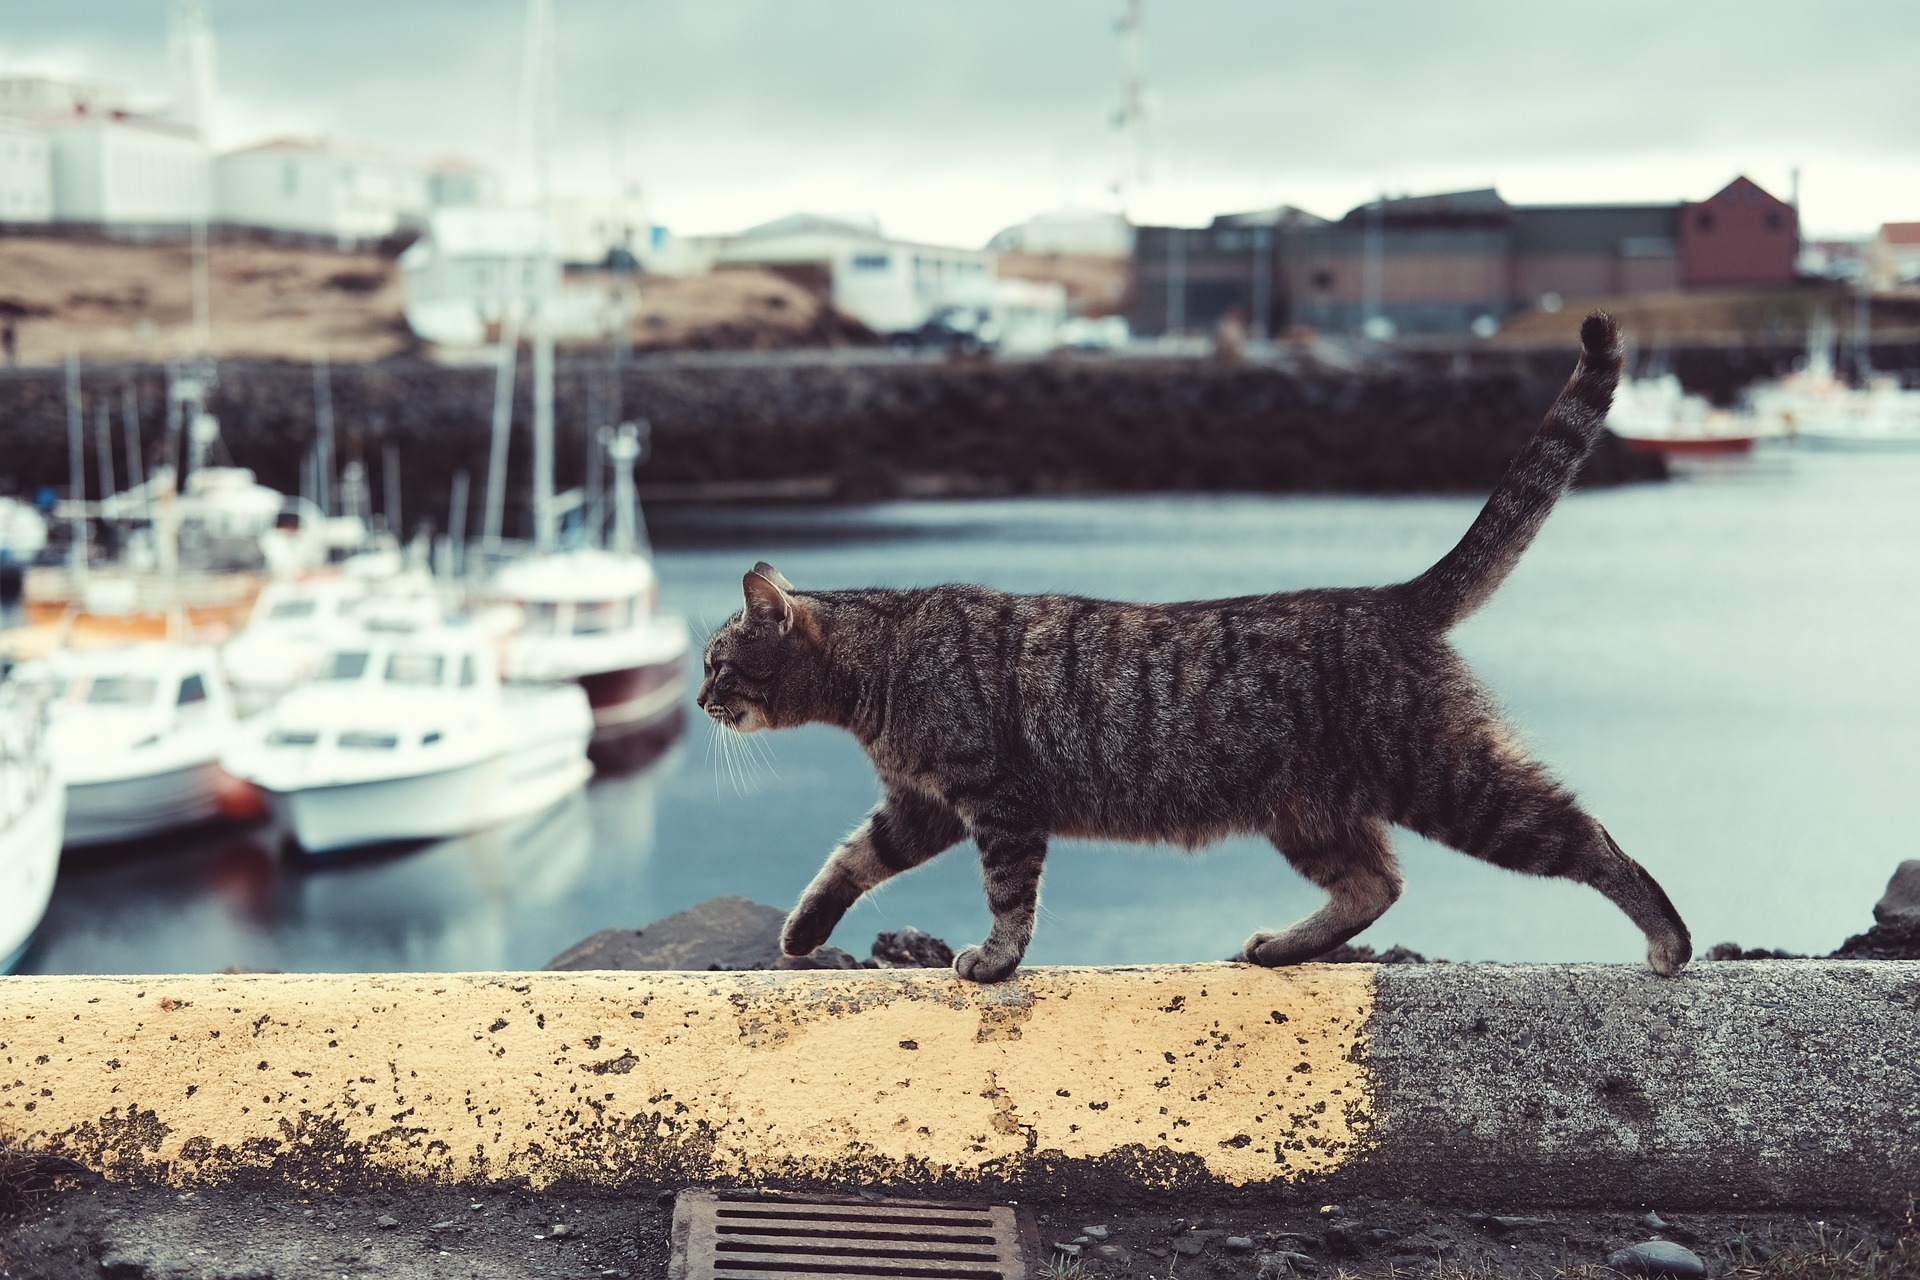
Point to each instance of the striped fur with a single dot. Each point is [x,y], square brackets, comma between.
[1315,718]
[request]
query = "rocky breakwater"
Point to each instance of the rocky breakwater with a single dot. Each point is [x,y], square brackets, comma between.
[865,430]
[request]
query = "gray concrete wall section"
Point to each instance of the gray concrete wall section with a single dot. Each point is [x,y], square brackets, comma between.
[1773,1083]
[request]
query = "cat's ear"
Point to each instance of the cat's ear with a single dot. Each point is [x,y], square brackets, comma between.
[774,576]
[767,601]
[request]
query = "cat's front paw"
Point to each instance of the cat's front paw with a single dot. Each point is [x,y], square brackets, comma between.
[1269,950]
[976,965]
[810,924]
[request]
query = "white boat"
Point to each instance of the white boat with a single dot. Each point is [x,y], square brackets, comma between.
[1882,415]
[413,736]
[286,636]
[137,733]
[295,622]
[588,616]
[1656,415]
[32,809]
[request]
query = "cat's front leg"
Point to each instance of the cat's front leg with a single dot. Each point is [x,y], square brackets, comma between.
[1010,862]
[903,831]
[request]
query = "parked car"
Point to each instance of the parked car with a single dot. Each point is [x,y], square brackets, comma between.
[1095,333]
[961,329]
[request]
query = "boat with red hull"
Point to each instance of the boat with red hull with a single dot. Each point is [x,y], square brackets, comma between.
[588,616]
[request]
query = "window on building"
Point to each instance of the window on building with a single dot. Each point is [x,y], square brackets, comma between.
[193,689]
[1703,220]
[1774,222]
[870,261]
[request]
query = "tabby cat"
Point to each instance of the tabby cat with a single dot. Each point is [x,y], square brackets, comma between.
[1314,718]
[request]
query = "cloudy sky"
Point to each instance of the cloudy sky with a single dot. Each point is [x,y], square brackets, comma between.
[951,119]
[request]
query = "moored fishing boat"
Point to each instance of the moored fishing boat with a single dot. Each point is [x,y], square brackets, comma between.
[1656,415]
[588,616]
[137,733]
[412,735]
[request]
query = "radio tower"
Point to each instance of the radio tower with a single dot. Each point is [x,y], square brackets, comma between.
[1131,117]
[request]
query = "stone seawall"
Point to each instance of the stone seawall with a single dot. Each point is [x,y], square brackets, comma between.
[1749,1084]
[856,431]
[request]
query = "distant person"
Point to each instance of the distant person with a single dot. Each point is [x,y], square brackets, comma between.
[11,341]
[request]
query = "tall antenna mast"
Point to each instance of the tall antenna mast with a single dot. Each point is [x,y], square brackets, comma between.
[1131,117]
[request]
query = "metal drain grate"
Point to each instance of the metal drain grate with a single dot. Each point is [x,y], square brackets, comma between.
[744,1235]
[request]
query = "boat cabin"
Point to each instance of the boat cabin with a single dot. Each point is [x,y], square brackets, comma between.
[580,593]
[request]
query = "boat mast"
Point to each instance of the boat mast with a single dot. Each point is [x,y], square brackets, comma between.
[508,357]
[624,449]
[538,102]
[323,435]
[76,465]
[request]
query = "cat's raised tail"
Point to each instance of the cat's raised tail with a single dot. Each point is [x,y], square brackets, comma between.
[1463,578]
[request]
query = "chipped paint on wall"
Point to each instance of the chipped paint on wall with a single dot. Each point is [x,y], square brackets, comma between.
[1206,1073]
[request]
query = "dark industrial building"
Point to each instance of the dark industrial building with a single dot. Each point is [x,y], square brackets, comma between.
[1442,264]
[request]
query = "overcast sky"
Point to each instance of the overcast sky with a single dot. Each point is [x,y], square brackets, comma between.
[950,120]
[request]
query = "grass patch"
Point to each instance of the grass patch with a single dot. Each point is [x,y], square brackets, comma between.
[1829,1254]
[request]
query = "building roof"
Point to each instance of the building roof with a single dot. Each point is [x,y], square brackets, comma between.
[323,147]
[1900,233]
[813,223]
[1478,207]
[1280,215]
[1742,190]
[119,119]
[1591,228]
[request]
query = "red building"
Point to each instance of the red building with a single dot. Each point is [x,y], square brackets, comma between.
[1738,236]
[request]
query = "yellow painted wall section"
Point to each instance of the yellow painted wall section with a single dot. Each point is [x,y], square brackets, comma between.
[1162,1076]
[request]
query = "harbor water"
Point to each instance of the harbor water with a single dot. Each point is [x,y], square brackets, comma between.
[1726,668]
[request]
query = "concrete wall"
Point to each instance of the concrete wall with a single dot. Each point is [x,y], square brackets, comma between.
[1751,1085]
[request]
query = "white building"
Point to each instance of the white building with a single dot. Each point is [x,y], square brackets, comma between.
[127,170]
[26,173]
[321,188]
[454,182]
[472,267]
[1893,256]
[1069,231]
[890,285]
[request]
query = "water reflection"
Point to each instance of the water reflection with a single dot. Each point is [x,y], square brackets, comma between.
[495,899]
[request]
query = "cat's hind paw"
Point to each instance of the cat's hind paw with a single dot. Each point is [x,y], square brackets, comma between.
[1668,956]
[975,965]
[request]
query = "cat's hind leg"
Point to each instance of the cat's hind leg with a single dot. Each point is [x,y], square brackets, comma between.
[1484,798]
[1354,863]
[904,830]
